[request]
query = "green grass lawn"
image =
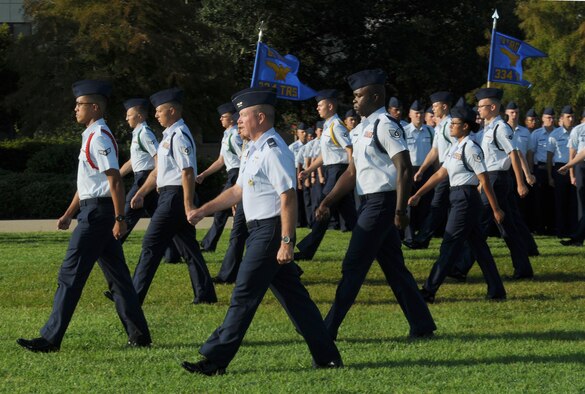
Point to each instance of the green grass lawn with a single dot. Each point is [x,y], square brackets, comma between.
[533,342]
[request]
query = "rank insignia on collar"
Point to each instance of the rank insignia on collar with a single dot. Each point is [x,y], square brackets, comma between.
[271,143]
[250,182]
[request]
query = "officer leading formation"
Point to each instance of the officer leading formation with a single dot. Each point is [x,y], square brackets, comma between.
[452,169]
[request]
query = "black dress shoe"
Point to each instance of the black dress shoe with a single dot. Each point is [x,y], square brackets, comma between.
[108,294]
[427,296]
[534,253]
[139,342]
[219,281]
[522,276]
[571,242]
[203,367]
[495,298]
[328,365]
[39,345]
[210,301]
[421,335]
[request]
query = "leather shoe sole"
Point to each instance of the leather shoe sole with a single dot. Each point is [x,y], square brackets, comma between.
[37,345]
[108,294]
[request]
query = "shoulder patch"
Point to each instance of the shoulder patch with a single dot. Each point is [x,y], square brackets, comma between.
[477,157]
[105,152]
[185,150]
[395,134]
[271,143]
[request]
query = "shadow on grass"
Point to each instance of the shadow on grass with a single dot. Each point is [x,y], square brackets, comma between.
[532,359]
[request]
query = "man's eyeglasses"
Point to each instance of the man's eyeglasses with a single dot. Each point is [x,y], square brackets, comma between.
[485,105]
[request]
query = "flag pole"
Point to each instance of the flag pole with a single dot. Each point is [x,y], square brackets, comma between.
[495,17]
[260,31]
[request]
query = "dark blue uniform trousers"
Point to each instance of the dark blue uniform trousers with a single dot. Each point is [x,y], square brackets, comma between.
[235,251]
[501,182]
[418,214]
[169,224]
[375,237]
[565,203]
[580,178]
[309,210]
[463,224]
[346,207]
[258,272]
[92,240]
[437,213]
[209,242]
[521,225]
[316,198]
[148,208]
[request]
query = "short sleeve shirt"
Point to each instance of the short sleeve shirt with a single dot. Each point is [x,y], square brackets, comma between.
[443,140]
[420,142]
[497,143]
[539,144]
[558,145]
[375,171]
[143,148]
[176,152]
[231,148]
[99,153]
[464,161]
[577,138]
[267,170]
[521,139]
[334,140]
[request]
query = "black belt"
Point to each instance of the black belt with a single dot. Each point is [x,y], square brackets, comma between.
[463,187]
[169,188]
[260,222]
[501,172]
[372,196]
[96,201]
[142,172]
[335,165]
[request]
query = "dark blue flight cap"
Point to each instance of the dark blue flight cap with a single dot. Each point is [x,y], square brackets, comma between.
[531,113]
[226,108]
[512,105]
[491,93]
[365,78]
[567,109]
[351,114]
[430,111]
[319,124]
[461,102]
[394,102]
[326,94]
[136,102]
[549,111]
[467,115]
[254,96]
[417,106]
[310,131]
[91,86]
[167,95]
[301,126]
[443,97]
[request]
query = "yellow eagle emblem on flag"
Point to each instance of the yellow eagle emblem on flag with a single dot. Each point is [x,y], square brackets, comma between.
[280,71]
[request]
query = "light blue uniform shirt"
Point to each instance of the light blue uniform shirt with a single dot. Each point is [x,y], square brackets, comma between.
[143,148]
[443,140]
[420,142]
[577,138]
[521,139]
[375,171]
[558,144]
[231,148]
[176,152]
[267,170]
[539,144]
[101,156]
[334,140]
[497,143]
[458,174]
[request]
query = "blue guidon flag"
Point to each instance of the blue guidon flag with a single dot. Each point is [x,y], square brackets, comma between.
[279,72]
[507,54]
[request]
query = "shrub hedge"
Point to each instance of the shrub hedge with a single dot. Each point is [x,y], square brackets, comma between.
[38,178]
